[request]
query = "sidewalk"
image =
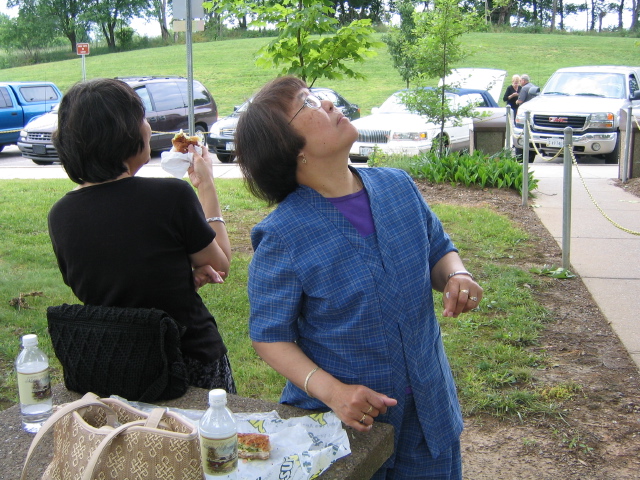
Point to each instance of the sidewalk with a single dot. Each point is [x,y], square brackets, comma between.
[606,258]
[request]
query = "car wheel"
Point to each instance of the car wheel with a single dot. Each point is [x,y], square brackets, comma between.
[226,157]
[200,130]
[614,156]
[42,162]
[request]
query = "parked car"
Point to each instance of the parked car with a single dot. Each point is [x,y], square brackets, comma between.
[220,140]
[393,129]
[166,104]
[22,101]
[588,99]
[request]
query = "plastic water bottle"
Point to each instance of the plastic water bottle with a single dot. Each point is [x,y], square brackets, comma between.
[219,439]
[34,385]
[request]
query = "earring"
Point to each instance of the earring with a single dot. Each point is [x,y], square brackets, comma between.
[304,159]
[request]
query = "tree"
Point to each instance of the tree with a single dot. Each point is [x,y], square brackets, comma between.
[437,49]
[310,44]
[400,38]
[109,14]
[30,31]
[158,11]
[64,13]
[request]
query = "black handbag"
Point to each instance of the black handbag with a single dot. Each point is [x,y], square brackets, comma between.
[130,352]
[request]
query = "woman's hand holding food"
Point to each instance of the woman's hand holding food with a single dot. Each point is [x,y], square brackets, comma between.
[201,170]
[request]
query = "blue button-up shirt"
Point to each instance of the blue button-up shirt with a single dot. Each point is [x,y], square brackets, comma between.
[361,308]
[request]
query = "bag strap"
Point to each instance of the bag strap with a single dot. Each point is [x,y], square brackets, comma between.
[152,421]
[89,399]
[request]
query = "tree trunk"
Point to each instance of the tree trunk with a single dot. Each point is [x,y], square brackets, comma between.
[620,12]
[554,10]
[164,30]
[73,39]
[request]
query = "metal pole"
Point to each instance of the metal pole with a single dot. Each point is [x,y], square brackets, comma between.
[627,147]
[190,68]
[507,134]
[566,199]
[84,69]
[525,161]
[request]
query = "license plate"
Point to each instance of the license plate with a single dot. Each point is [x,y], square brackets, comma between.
[231,147]
[39,149]
[555,142]
[366,151]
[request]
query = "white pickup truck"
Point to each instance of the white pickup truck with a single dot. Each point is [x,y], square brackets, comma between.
[587,99]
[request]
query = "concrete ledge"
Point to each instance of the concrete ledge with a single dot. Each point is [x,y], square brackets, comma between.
[368,450]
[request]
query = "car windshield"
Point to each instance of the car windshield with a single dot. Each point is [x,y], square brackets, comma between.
[593,84]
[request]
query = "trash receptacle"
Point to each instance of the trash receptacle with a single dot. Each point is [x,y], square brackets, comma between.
[487,134]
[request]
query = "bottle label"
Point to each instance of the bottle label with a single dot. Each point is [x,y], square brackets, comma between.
[219,455]
[34,388]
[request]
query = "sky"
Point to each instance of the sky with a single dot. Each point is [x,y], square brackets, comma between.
[152,29]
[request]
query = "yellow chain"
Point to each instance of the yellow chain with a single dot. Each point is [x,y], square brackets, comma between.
[617,225]
[173,133]
[546,159]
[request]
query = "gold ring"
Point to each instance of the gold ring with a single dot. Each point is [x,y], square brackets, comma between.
[473,299]
[465,291]
[370,408]
[362,419]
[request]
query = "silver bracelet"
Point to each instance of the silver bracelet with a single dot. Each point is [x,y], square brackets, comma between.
[459,272]
[306,381]
[216,219]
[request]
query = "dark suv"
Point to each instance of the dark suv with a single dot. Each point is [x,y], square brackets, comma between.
[166,103]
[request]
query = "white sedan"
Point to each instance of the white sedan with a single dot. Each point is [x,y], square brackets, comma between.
[393,129]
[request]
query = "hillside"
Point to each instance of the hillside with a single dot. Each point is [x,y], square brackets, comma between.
[227,67]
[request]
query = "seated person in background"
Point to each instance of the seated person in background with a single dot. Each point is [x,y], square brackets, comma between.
[125,241]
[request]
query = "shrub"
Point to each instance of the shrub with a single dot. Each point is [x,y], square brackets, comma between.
[501,170]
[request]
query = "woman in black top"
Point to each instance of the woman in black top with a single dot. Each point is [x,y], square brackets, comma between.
[125,241]
[511,95]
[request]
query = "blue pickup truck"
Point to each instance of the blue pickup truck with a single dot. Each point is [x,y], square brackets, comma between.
[22,101]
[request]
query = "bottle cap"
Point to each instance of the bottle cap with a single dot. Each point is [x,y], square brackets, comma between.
[29,340]
[217,397]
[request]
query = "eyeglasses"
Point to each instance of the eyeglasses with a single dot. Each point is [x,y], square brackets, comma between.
[312,102]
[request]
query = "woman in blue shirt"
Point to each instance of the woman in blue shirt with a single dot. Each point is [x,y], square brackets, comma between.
[340,285]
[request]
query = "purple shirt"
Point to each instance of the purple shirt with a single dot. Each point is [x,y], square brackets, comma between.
[356,208]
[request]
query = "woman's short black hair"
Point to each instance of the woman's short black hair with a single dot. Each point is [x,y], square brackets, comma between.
[266,145]
[99,127]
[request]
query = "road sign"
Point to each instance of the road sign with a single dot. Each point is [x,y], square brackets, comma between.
[82,48]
